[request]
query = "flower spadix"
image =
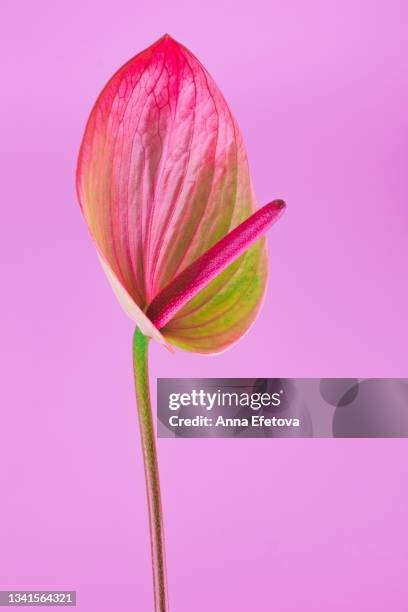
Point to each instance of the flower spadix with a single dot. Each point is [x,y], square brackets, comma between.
[164,186]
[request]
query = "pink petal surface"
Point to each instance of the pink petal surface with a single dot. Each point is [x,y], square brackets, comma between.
[163,176]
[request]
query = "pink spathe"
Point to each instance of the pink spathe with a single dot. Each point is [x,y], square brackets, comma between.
[162,177]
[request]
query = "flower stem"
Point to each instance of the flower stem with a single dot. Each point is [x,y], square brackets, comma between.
[151,467]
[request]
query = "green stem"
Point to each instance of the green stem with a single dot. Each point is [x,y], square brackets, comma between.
[151,467]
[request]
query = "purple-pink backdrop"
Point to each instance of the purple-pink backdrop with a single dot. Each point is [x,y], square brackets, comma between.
[320,90]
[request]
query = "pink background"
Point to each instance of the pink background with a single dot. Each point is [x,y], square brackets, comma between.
[320,90]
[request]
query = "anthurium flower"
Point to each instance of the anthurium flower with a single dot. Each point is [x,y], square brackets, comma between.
[163,177]
[164,187]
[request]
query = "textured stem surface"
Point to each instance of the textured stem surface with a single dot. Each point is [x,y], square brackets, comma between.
[141,373]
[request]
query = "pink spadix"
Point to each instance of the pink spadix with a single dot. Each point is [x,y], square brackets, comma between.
[204,269]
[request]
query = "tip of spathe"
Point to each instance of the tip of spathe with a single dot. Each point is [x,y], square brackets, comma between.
[167,37]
